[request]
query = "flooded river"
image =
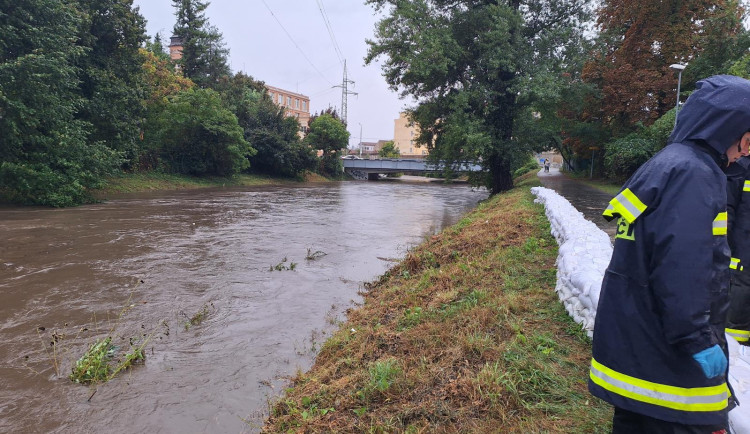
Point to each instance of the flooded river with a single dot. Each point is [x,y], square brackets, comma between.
[234,261]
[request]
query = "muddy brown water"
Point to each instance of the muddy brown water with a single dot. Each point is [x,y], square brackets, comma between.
[142,266]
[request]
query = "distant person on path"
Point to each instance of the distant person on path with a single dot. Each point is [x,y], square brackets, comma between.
[659,350]
[546,165]
[738,209]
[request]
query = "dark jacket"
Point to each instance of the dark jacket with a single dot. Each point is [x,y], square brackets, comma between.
[738,209]
[664,294]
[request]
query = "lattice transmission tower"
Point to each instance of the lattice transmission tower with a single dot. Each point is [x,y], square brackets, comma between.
[345,92]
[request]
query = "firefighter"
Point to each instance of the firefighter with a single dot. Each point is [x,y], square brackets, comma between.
[659,352]
[738,209]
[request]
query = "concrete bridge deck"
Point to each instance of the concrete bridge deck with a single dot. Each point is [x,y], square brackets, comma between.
[372,168]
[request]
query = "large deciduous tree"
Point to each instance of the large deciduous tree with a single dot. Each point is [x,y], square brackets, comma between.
[204,55]
[44,154]
[476,67]
[274,136]
[329,135]
[111,74]
[638,42]
[200,137]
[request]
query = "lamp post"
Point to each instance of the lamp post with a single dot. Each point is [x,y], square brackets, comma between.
[360,139]
[677,67]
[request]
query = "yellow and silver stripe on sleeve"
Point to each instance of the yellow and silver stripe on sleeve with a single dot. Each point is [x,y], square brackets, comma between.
[627,205]
[746,187]
[720,224]
[739,335]
[734,264]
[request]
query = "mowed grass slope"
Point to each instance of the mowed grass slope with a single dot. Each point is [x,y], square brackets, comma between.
[465,335]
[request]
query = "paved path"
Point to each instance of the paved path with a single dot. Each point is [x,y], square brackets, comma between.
[588,200]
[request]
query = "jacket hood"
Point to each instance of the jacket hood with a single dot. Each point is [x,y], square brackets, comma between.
[717,113]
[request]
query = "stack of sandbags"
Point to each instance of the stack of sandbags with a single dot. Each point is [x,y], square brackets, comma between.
[585,251]
[584,255]
[739,378]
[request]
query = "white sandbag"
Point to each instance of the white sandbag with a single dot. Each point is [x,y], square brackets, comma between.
[583,256]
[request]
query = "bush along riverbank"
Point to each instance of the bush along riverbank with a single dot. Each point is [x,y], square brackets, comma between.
[157,181]
[466,334]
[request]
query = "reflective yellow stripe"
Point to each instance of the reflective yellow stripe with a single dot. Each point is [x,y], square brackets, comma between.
[747,186]
[627,205]
[734,263]
[713,398]
[739,335]
[720,224]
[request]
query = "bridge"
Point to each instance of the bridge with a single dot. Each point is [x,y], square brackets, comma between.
[373,168]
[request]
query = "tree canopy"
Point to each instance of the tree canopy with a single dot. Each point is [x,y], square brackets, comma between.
[476,68]
[45,154]
[329,135]
[204,55]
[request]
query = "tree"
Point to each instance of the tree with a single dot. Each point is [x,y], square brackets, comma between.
[157,48]
[270,132]
[641,38]
[161,83]
[111,74]
[389,150]
[476,66]
[45,158]
[200,137]
[329,135]
[204,56]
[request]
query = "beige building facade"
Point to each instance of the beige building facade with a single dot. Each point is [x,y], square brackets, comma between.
[295,104]
[405,136]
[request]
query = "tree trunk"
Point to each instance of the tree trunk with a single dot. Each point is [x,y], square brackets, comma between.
[500,177]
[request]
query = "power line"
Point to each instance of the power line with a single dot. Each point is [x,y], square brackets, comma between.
[295,43]
[330,30]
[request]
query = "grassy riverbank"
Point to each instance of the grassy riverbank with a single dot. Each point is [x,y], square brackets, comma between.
[466,334]
[153,181]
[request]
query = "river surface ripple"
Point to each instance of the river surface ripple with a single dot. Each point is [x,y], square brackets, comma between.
[144,265]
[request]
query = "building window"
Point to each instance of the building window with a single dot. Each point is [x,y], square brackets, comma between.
[304,105]
[296,103]
[289,101]
[281,99]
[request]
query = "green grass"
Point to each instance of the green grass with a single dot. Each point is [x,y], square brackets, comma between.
[466,334]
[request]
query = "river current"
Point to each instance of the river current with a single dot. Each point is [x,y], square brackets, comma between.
[234,261]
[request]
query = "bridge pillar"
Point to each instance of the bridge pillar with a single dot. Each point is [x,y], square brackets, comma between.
[373,176]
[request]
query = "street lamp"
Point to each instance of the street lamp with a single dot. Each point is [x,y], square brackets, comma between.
[677,67]
[360,139]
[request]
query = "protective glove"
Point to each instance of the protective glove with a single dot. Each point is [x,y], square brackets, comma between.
[712,361]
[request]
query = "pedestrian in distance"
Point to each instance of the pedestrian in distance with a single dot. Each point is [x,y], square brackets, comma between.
[546,165]
[659,348]
[738,210]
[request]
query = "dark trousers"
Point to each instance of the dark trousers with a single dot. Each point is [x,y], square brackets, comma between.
[627,422]
[738,316]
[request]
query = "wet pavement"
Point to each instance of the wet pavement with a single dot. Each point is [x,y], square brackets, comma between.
[586,199]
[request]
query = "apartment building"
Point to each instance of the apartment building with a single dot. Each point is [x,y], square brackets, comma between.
[404,137]
[295,104]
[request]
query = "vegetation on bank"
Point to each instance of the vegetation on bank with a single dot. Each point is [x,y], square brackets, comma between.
[158,181]
[466,334]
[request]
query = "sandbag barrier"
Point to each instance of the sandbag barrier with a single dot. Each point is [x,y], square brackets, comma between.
[584,254]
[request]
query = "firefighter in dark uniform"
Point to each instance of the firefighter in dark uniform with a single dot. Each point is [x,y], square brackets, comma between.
[738,209]
[659,351]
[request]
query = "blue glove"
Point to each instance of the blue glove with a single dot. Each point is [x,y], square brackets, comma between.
[712,361]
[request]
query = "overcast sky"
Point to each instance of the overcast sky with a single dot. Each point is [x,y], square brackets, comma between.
[255,31]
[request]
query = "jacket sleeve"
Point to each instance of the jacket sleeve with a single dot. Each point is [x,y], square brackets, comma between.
[735,183]
[739,224]
[683,231]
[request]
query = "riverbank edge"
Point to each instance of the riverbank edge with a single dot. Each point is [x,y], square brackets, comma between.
[465,334]
[155,181]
